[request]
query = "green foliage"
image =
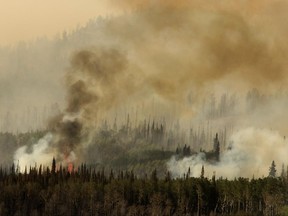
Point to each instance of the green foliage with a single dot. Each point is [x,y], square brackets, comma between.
[283,210]
[141,157]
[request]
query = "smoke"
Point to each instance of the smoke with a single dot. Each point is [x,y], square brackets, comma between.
[40,153]
[96,81]
[250,153]
[168,49]
[94,85]
[181,47]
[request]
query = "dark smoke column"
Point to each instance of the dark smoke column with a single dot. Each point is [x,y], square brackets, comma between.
[94,84]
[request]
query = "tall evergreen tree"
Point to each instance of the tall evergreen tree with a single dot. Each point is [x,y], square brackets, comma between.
[202,172]
[272,170]
[53,165]
[216,147]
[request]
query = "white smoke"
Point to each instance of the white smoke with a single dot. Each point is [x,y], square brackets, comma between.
[39,154]
[250,153]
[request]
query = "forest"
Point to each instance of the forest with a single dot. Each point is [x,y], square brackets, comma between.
[141,148]
[133,181]
[86,190]
[145,114]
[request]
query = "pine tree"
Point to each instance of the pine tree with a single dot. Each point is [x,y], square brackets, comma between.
[283,171]
[272,170]
[188,173]
[216,147]
[202,172]
[53,166]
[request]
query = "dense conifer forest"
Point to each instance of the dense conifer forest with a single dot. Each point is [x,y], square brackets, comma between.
[86,190]
[133,181]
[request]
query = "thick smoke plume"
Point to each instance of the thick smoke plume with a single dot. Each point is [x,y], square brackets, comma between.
[168,50]
[94,85]
[191,45]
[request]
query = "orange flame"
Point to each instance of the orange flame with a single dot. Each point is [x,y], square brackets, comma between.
[70,167]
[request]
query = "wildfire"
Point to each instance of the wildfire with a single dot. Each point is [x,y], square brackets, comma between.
[70,167]
[69,158]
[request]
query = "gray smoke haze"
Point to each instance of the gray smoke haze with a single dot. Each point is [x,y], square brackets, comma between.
[250,153]
[167,50]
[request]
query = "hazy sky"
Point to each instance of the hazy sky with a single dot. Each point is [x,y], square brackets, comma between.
[29,19]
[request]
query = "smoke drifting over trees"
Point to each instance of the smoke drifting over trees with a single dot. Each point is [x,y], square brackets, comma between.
[176,54]
[250,153]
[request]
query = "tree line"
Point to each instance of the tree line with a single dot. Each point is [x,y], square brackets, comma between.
[85,191]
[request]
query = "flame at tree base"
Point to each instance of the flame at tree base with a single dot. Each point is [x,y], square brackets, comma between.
[69,159]
[70,167]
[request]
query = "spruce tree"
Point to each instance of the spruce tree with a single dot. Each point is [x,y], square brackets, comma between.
[202,172]
[272,170]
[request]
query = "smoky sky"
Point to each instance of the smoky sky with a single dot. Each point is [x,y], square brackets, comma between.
[31,19]
[168,49]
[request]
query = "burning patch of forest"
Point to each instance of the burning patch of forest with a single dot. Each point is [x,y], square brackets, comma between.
[175,55]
